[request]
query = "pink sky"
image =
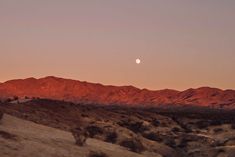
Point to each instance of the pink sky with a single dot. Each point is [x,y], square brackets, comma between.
[181,44]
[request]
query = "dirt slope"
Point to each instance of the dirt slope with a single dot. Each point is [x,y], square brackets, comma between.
[26,139]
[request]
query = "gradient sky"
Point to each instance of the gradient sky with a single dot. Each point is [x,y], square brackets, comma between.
[182,43]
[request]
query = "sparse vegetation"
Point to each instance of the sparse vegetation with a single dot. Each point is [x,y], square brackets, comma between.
[170,142]
[133,145]
[202,124]
[182,131]
[175,129]
[133,125]
[152,136]
[26,97]
[15,98]
[156,122]
[233,125]
[7,135]
[111,137]
[8,100]
[183,143]
[97,154]
[93,130]
[1,115]
[84,115]
[80,136]
[218,130]
[216,122]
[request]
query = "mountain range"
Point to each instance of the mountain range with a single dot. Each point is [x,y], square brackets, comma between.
[90,93]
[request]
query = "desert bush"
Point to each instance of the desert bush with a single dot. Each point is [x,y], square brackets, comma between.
[175,129]
[133,145]
[26,97]
[136,127]
[152,136]
[221,151]
[84,115]
[188,129]
[170,142]
[1,115]
[183,143]
[97,154]
[8,100]
[218,130]
[216,122]
[7,135]
[94,130]
[156,122]
[164,124]
[80,136]
[217,144]
[15,98]
[233,125]
[111,137]
[202,124]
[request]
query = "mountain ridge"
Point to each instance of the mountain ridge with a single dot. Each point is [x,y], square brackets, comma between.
[85,92]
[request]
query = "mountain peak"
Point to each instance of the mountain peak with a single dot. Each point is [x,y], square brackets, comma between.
[84,92]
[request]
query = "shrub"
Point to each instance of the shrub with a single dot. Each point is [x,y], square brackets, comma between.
[111,137]
[93,130]
[133,145]
[183,143]
[15,98]
[221,151]
[80,136]
[152,136]
[1,115]
[202,124]
[175,129]
[26,97]
[97,154]
[7,135]
[84,115]
[216,122]
[8,100]
[156,122]
[187,129]
[170,142]
[233,125]
[218,130]
[136,127]
[217,144]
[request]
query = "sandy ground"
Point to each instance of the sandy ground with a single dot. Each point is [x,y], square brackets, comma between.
[23,138]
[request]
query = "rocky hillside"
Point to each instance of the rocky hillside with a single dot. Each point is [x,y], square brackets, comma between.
[84,92]
[113,131]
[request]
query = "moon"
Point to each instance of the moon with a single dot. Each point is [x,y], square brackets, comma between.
[138,61]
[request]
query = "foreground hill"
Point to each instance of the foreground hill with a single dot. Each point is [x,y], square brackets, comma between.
[113,131]
[84,92]
[42,141]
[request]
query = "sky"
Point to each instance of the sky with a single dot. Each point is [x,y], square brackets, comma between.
[182,44]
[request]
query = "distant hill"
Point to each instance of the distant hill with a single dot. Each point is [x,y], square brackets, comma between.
[84,92]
